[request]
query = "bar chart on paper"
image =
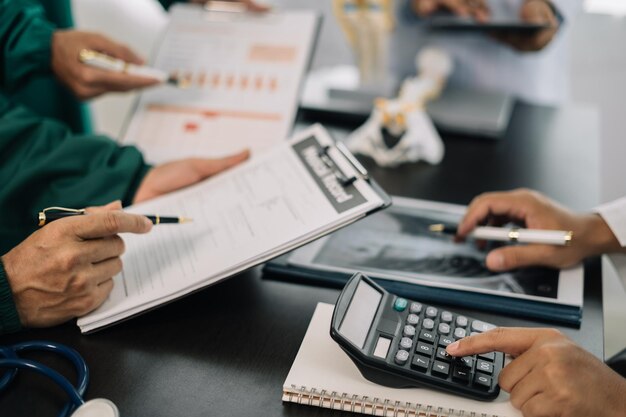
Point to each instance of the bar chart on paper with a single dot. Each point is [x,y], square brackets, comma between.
[242,75]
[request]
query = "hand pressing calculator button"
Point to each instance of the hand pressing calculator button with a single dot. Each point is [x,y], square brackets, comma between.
[415,355]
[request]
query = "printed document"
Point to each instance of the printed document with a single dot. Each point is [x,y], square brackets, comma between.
[242,73]
[260,209]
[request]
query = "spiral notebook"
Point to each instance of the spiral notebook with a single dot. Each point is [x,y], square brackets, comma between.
[322,375]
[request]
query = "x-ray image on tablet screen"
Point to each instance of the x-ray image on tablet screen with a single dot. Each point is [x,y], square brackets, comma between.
[397,244]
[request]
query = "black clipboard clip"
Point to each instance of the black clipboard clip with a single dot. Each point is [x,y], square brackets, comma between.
[344,179]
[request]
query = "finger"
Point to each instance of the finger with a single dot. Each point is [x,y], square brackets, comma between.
[253,6]
[511,340]
[208,167]
[88,303]
[113,205]
[105,270]
[512,204]
[541,405]
[526,388]
[425,8]
[117,50]
[512,257]
[118,81]
[480,11]
[102,249]
[518,370]
[109,223]
[458,7]
[477,211]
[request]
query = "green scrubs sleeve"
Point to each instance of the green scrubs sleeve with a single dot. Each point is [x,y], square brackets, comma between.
[43,164]
[9,319]
[25,40]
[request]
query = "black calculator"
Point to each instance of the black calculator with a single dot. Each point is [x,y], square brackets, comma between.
[402,343]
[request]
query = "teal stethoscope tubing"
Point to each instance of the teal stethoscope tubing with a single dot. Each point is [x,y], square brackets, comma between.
[9,358]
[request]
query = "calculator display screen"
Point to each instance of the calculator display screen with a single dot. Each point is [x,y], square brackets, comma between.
[361,311]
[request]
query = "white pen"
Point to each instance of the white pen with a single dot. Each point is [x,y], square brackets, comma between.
[512,234]
[106,62]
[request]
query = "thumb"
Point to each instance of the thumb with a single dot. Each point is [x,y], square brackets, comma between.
[208,167]
[513,257]
[513,341]
[113,205]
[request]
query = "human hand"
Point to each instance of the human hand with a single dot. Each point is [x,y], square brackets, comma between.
[550,375]
[179,174]
[250,5]
[65,269]
[532,11]
[85,81]
[532,210]
[477,9]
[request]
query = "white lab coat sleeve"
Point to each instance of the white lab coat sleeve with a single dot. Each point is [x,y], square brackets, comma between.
[614,214]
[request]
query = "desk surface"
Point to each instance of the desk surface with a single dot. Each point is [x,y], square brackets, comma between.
[228,349]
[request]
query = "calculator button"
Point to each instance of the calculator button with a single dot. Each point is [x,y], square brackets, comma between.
[401,357]
[400,304]
[427,336]
[428,324]
[431,312]
[484,366]
[443,355]
[406,343]
[461,374]
[459,333]
[465,361]
[424,349]
[412,319]
[445,341]
[441,369]
[461,321]
[444,328]
[490,356]
[409,331]
[382,347]
[420,363]
[415,308]
[482,381]
[481,326]
[446,316]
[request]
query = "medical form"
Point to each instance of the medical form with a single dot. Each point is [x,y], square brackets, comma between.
[242,73]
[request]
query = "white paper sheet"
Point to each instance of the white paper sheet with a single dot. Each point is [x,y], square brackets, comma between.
[244,73]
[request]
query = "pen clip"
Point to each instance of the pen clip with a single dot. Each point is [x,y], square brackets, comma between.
[344,179]
[42,214]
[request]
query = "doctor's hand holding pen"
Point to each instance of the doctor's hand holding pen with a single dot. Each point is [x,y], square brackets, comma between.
[86,81]
[591,235]
[114,68]
[66,269]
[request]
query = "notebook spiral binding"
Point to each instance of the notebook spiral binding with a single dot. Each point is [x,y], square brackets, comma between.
[364,405]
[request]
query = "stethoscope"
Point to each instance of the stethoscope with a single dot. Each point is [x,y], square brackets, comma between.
[76,406]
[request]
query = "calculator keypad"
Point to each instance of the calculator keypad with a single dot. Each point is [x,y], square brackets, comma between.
[421,346]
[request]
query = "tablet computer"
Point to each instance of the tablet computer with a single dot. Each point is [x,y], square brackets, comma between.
[504,17]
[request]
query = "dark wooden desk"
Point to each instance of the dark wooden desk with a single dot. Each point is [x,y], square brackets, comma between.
[227,350]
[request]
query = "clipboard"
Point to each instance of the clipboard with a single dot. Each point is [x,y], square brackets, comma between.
[303,189]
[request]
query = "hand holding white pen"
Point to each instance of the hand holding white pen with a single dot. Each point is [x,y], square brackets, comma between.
[84,80]
[108,63]
[545,224]
[513,234]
